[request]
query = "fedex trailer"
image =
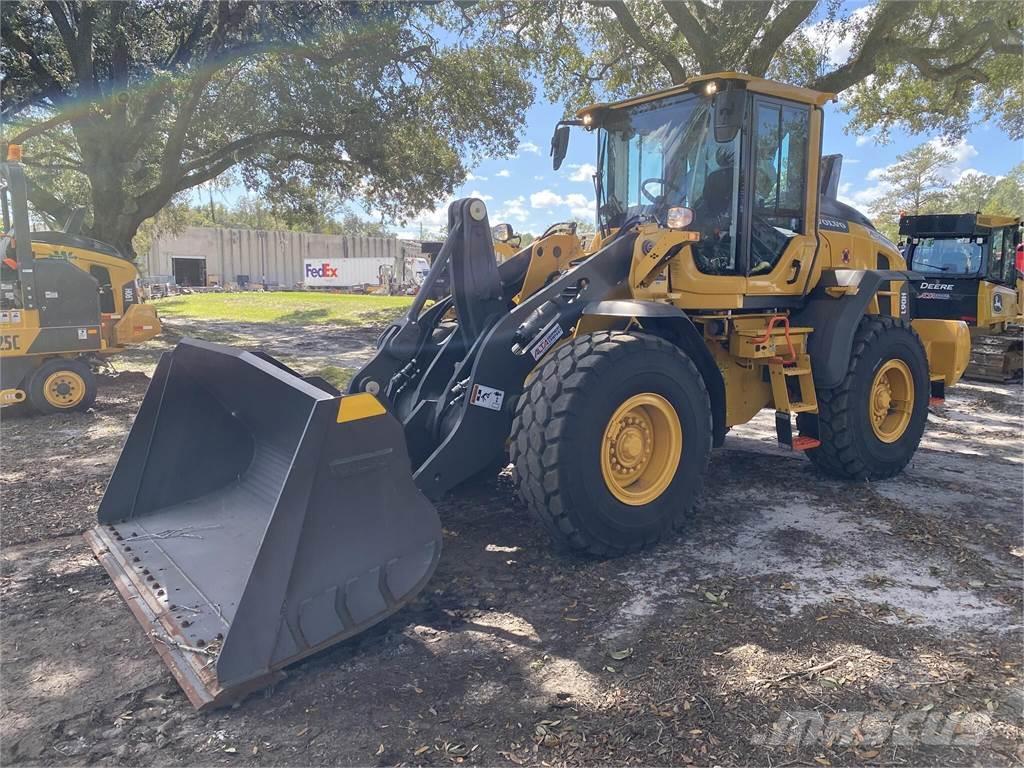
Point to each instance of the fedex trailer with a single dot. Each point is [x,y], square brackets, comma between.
[342,273]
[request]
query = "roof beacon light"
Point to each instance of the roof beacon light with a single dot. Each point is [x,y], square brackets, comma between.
[588,120]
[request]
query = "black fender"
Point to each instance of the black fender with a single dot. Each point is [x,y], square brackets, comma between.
[835,319]
[673,324]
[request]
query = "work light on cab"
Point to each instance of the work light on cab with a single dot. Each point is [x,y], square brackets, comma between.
[679,217]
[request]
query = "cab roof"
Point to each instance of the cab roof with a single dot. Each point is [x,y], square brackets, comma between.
[699,84]
[953,224]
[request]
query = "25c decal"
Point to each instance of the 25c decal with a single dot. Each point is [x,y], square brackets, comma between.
[9,343]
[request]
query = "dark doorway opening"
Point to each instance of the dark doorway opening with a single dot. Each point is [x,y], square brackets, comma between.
[189,271]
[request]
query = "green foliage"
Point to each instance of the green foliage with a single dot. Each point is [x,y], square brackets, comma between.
[932,65]
[915,185]
[1007,198]
[123,106]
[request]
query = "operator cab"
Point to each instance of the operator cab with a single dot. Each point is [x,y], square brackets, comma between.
[966,263]
[730,157]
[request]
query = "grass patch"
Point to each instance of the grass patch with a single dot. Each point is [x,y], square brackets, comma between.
[288,307]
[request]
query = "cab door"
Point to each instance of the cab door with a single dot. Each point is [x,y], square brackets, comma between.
[780,237]
[997,295]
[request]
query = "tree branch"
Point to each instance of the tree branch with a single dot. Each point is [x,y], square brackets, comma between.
[44,201]
[878,40]
[703,46]
[782,26]
[629,25]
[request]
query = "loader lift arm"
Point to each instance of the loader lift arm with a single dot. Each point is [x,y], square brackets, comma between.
[455,383]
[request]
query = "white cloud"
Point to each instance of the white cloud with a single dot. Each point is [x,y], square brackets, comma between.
[481,195]
[580,206]
[583,172]
[962,153]
[850,160]
[474,177]
[512,210]
[545,199]
[529,146]
[876,173]
[865,138]
[538,178]
[504,173]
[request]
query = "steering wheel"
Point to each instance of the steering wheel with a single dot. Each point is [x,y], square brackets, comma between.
[656,199]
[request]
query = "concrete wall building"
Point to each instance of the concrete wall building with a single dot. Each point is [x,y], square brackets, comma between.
[204,255]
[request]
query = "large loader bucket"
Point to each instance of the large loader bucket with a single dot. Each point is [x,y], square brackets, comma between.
[255,517]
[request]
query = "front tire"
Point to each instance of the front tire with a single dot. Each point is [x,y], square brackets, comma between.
[611,441]
[61,384]
[871,424]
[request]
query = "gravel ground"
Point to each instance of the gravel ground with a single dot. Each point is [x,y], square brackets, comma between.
[794,620]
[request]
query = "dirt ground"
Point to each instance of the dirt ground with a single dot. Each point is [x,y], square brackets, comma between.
[794,621]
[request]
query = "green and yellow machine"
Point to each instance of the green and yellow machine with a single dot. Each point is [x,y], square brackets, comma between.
[726,279]
[65,302]
[970,268]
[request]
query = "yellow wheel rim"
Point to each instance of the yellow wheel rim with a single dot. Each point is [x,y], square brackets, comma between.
[64,389]
[641,448]
[892,401]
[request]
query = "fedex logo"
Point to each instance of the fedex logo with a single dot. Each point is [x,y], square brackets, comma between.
[324,270]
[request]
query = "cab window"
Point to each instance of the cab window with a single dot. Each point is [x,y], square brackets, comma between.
[951,256]
[1008,256]
[996,254]
[779,147]
[102,276]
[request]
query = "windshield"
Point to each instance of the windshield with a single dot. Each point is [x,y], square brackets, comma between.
[664,154]
[950,256]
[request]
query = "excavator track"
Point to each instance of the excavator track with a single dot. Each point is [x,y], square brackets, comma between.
[997,357]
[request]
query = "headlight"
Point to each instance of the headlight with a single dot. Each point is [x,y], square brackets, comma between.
[679,218]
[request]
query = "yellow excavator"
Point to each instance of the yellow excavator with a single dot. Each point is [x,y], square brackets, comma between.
[66,301]
[970,266]
[256,516]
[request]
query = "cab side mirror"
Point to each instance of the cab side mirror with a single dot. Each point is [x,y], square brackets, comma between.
[559,146]
[729,107]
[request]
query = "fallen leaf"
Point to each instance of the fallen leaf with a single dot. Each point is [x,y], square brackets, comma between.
[380,749]
[230,750]
[625,653]
[421,750]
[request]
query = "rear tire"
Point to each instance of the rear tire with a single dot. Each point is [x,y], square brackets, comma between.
[861,438]
[636,392]
[61,384]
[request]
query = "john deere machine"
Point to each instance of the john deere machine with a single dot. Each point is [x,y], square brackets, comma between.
[256,516]
[65,301]
[970,269]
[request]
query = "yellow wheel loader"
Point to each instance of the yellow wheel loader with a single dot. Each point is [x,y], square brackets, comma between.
[65,301]
[255,516]
[970,267]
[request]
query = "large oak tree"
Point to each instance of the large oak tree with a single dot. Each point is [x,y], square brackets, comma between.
[923,65]
[125,106]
